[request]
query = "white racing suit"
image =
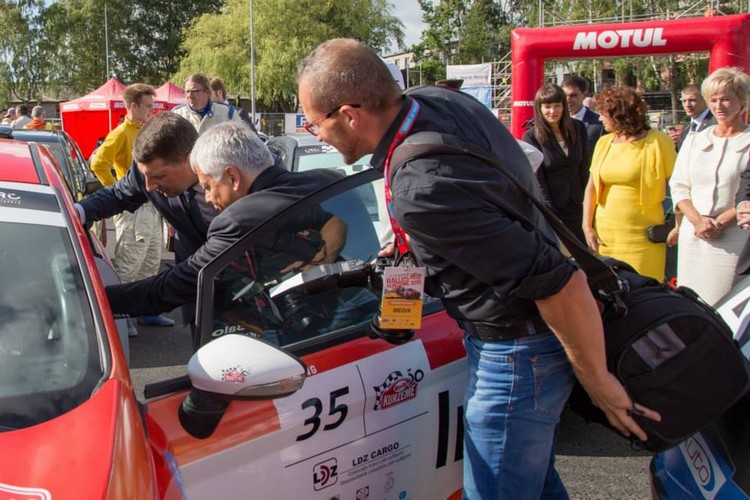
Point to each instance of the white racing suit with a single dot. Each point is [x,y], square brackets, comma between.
[138,244]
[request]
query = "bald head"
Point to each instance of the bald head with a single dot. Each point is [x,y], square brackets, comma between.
[344,70]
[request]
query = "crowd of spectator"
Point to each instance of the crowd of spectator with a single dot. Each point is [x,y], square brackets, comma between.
[635,172]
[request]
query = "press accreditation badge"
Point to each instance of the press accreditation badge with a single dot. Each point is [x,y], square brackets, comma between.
[403,291]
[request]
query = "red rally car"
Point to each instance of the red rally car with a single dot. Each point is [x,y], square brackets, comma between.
[287,397]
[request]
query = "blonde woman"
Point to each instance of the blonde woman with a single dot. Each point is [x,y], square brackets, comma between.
[704,184]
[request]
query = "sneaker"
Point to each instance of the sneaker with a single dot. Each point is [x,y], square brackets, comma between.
[132,330]
[159,320]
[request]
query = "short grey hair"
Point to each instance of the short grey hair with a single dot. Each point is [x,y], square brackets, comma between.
[232,144]
[37,112]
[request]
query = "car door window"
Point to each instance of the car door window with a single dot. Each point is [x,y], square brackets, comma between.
[271,285]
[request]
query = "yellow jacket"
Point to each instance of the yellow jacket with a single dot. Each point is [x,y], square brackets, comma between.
[657,162]
[117,151]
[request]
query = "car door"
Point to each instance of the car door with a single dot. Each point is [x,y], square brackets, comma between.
[373,420]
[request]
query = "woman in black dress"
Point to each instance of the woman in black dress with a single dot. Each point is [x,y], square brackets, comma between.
[562,141]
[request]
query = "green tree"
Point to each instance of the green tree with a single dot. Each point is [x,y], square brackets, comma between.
[461,32]
[24,50]
[80,56]
[158,29]
[285,31]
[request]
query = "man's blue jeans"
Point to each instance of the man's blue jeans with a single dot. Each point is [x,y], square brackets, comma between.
[515,394]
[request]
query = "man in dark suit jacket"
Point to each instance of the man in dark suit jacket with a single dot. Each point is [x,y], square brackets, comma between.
[576,89]
[743,218]
[696,109]
[160,174]
[238,175]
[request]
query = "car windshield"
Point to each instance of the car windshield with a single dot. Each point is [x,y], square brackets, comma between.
[49,361]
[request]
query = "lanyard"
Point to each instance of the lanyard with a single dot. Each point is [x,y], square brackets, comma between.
[401,134]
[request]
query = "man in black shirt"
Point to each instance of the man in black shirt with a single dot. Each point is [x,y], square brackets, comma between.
[528,314]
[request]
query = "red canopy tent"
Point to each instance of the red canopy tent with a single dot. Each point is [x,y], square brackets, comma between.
[168,96]
[92,116]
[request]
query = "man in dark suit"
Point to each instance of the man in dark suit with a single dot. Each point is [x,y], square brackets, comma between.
[576,89]
[695,107]
[160,174]
[743,218]
[238,175]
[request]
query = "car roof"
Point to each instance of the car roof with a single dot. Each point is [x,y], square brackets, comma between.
[28,135]
[29,163]
[16,163]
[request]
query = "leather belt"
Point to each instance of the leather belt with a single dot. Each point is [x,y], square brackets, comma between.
[494,333]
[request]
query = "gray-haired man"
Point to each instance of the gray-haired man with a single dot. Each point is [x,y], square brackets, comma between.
[239,177]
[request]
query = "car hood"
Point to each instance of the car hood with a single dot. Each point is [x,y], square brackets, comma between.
[67,457]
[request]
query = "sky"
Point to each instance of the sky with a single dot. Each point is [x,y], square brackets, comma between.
[410,14]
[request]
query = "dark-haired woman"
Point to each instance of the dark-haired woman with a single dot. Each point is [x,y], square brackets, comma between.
[565,170]
[628,183]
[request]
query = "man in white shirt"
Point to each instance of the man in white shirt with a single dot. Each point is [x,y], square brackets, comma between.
[200,110]
[576,88]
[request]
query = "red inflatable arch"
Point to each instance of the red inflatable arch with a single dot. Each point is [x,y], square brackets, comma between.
[726,38]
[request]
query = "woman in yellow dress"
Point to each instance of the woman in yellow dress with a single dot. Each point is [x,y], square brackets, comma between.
[628,183]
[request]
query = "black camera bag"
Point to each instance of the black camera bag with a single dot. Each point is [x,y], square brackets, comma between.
[671,351]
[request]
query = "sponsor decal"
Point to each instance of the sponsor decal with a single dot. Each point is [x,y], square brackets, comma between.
[363,493]
[229,329]
[9,198]
[10,492]
[376,454]
[702,465]
[609,39]
[316,150]
[28,199]
[390,482]
[397,388]
[325,474]
[235,374]
[523,104]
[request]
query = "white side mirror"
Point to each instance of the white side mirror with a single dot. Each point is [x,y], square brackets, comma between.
[235,367]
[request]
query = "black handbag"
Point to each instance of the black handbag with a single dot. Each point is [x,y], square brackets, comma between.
[658,233]
[671,351]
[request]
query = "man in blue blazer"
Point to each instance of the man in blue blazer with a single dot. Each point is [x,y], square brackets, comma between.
[576,89]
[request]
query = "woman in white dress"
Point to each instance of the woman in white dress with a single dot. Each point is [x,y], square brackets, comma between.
[704,184]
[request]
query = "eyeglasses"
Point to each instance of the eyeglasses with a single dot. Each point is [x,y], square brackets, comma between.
[191,92]
[314,126]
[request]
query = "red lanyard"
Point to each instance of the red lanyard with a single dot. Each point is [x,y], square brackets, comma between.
[401,134]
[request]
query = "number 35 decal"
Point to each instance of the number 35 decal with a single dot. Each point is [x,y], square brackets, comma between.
[338,411]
